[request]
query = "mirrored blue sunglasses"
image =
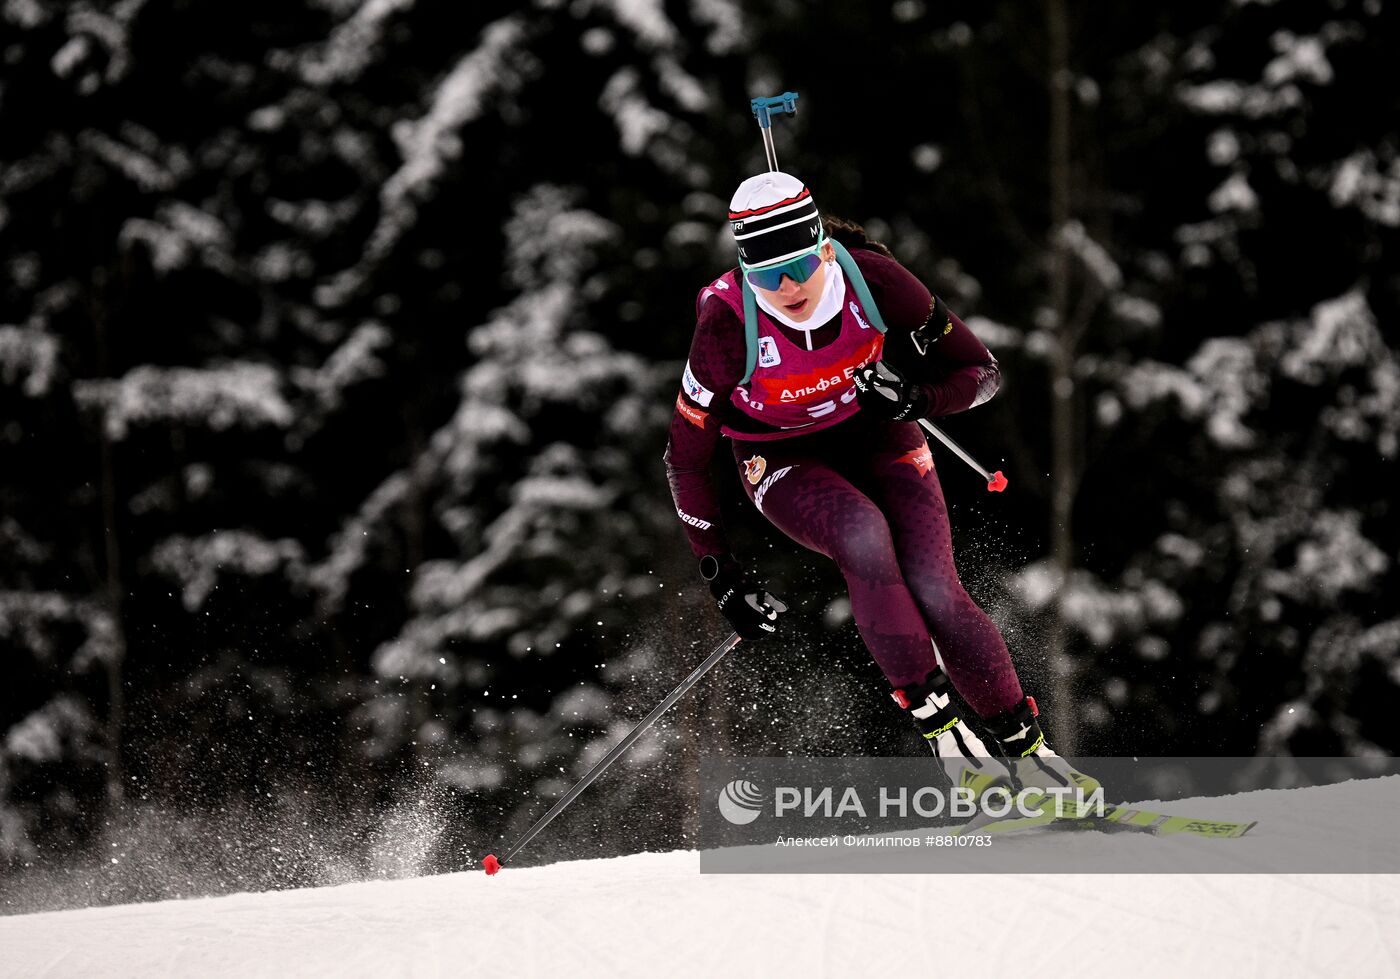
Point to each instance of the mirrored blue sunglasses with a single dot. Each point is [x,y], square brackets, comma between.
[800,269]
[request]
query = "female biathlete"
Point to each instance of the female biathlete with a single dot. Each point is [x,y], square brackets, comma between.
[789,362]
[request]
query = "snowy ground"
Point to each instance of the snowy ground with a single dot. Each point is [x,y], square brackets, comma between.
[656,914]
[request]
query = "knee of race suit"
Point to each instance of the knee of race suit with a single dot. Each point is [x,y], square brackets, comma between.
[940,599]
[864,546]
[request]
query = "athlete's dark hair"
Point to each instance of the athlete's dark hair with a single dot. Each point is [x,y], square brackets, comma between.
[852,235]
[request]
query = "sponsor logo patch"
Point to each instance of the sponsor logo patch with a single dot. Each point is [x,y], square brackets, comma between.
[754,469]
[693,415]
[700,394]
[855,311]
[920,458]
[768,353]
[762,491]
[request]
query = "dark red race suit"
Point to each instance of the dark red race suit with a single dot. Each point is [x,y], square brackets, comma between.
[859,490]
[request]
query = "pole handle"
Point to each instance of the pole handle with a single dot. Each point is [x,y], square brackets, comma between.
[785,104]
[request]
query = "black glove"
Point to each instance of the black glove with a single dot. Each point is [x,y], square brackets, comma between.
[886,393]
[750,610]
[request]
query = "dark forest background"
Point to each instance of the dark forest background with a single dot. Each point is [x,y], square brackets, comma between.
[338,339]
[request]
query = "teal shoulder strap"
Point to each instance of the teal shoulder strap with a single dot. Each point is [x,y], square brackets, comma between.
[857,281]
[852,270]
[750,330]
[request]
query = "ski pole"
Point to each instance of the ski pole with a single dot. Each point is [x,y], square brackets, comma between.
[786,104]
[492,865]
[996,482]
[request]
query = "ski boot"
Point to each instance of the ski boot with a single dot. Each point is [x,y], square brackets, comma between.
[964,759]
[1036,767]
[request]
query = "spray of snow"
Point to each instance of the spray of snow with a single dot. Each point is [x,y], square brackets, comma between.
[148,852]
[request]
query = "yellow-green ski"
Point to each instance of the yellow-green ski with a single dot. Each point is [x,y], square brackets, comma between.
[1119,819]
[1161,824]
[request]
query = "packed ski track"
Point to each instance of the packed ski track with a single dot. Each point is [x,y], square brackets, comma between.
[655,913]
